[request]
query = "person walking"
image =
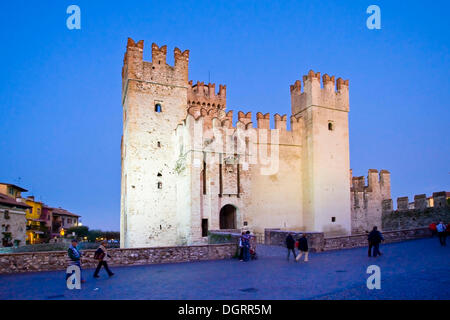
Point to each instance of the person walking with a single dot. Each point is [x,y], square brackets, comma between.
[102,256]
[75,257]
[442,234]
[290,245]
[375,237]
[246,245]
[303,248]
[241,247]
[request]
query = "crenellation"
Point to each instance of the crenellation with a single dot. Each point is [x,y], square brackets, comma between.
[402,203]
[373,181]
[159,55]
[328,82]
[206,96]
[440,199]
[280,122]
[420,201]
[132,62]
[296,124]
[333,94]
[157,71]
[245,118]
[358,184]
[263,121]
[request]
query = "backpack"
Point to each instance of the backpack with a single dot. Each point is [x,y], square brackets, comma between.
[99,254]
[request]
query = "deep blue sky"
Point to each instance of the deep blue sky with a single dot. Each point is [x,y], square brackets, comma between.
[60,108]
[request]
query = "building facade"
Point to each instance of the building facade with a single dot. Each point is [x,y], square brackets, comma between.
[187,168]
[61,221]
[41,223]
[13,213]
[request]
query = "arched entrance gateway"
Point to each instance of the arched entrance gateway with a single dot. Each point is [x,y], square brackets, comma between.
[227,219]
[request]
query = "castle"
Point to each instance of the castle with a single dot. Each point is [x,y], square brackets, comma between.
[187,169]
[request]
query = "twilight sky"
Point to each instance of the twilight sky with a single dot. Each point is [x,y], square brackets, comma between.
[60,89]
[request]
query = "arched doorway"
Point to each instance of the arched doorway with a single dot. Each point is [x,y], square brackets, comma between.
[227,219]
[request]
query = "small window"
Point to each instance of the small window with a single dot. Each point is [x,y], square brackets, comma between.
[158,107]
[333,219]
[159,185]
[204,227]
[245,223]
[330,126]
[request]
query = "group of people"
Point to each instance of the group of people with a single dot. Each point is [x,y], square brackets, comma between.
[101,255]
[247,247]
[374,238]
[301,244]
[442,230]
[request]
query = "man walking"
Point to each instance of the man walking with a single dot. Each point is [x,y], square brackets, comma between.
[75,257]
[442,234]
[375,237]
[102,255]
[303,247]
[290,245]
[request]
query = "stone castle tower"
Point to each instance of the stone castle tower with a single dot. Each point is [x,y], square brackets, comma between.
[187,169]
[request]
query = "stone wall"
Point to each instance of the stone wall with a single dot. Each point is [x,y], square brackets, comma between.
[414,218]
[217,237]
[357,241]
[57,260]
[277,237]
[317,242]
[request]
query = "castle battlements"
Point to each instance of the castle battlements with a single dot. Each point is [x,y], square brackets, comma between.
[377,183]
[206,96]
[421,201]
[333,94]
[369,201]
[213,122]
[156,71]
[245,121]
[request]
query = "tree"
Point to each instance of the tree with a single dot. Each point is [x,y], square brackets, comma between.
[80,231]
[93,235]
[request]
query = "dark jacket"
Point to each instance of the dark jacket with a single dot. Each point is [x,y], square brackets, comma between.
[375,237]
[74,254]
[303,244]
[290,242]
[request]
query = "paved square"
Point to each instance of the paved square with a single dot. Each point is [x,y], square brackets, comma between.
[418,269]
